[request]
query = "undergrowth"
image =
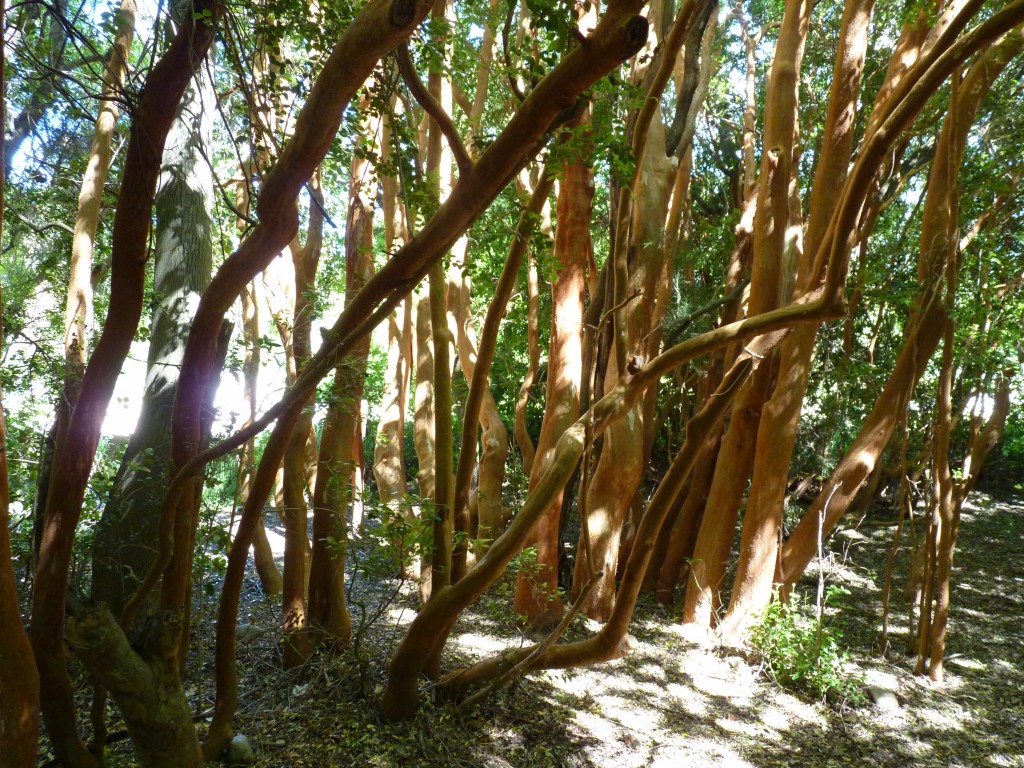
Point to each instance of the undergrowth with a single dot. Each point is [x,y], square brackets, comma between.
[803,654]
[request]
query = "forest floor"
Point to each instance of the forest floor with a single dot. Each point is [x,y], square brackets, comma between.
[672,702]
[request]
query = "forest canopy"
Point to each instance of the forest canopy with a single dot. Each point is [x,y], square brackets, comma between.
[590,300]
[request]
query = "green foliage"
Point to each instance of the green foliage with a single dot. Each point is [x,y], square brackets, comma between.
[1011,446]
[210,559]
[802,654]
[379,556]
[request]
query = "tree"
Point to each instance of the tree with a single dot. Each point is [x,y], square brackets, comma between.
[183,260]
[681,255]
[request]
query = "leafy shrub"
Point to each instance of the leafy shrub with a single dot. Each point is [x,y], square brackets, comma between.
[802,655]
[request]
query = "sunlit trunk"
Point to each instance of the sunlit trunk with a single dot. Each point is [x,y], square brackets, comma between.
[537,586]
[776,433]
[924,329]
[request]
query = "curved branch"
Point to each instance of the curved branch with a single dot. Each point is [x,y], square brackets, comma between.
[432,108]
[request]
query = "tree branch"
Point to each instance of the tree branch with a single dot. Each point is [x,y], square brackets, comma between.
[432,108]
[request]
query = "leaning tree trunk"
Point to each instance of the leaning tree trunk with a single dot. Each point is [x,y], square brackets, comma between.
[925,327]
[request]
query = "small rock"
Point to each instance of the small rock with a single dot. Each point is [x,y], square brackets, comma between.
[884,698]
[240,751]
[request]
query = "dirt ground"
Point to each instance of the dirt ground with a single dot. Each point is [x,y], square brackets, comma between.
[672,702]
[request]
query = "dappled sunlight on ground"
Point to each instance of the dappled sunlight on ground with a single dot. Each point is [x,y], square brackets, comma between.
[678,700]
[681,703]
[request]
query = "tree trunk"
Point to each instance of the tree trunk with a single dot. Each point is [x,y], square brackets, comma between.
[439,175]
[776,434]
[620,466]
[75,452]
[637,263]
[423,419]
[78,310]
[522,434]
[946,513]
[297,569]
[537,590]
[925,327]
[389,451]
[337,490]
[127,536]
[19,706]
[263,555]
[490,516]
[703,593]
[683,536]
